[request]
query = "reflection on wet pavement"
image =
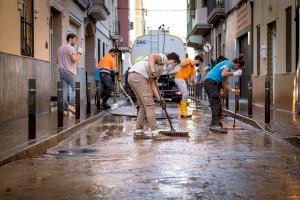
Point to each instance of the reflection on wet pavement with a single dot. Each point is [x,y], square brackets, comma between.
[102,161]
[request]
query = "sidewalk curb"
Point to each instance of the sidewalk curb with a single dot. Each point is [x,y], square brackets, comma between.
[38,148]
[255,124]
[244,119]
[248,121]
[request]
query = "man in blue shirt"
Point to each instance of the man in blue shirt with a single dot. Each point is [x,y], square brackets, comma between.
[216,76]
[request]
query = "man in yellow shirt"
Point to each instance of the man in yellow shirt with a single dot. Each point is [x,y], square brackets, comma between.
[107,67]
[187,71]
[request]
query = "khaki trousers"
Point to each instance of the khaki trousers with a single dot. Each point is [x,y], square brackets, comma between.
[144,95]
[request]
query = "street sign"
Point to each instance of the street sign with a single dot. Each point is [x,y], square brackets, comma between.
[207,47]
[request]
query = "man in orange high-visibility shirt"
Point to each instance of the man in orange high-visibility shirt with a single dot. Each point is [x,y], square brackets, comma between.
[107,67]
[187,71]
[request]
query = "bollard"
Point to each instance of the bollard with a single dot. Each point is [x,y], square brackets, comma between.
[236,86]
[227,100]
[77,100]
[250,98]
[98,96]
[88,98]
[32,109]
[201,92]
[60,105]
[192,87]
[267,102]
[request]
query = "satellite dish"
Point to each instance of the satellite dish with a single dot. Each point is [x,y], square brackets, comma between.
[207,47]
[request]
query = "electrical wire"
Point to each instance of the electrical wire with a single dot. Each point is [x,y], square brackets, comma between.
[155,10]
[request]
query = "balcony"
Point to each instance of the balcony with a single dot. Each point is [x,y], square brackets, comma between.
[194,41]
[83,4]
[198,27]
[215,11]
[116,32]
[98,10]
[201,27]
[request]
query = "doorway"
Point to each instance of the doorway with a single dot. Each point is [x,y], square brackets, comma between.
[55,26]
[89,50]
[247,71]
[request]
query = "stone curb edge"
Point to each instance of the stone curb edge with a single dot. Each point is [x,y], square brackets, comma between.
[248,121]
[39,148]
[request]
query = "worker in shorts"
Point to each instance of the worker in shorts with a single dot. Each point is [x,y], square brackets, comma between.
[142,78]
[186,72]
[220,74]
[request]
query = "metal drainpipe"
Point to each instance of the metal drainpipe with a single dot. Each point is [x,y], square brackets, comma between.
[297,9]
[297,2]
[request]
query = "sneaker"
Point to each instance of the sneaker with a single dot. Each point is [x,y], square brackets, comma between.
[218,128]
[141,136]
[71,109]
[137,130]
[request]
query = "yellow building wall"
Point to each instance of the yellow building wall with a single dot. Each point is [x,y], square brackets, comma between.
[10,27]
[41,31]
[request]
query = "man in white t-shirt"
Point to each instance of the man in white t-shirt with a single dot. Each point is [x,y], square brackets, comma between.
[142,78]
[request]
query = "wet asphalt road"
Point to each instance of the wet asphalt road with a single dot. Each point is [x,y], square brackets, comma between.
[102,161]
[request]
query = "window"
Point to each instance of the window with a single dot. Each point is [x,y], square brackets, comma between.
[288,52]
[103,49]
[99,49]
[27,28]
[258,49]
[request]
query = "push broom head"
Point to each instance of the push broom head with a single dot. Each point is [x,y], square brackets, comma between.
[235,128]
[173,133]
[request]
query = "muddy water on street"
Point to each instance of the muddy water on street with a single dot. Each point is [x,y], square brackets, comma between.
[102,161]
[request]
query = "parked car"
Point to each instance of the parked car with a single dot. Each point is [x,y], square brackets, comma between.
[168,88]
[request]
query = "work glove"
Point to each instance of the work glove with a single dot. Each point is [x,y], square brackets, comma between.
[238,73]
[79,51]
[236,91]
[163,104]
[153,76]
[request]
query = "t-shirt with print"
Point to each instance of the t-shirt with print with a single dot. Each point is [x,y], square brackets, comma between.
[64,58]
[216,72]
[142,67]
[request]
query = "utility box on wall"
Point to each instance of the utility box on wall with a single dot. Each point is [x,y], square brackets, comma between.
[263,51]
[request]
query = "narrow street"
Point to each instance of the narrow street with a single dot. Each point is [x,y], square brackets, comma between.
[102,161]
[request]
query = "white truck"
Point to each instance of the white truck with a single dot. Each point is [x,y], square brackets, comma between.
[156,43]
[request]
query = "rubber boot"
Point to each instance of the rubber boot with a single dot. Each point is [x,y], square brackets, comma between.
[183,109]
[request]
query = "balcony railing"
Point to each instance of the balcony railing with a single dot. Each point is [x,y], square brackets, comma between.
[215,11]
[98,10]
[116,28]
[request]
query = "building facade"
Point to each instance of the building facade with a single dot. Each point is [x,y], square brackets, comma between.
[264,31]
[33,32]
[137,19]
[274,52]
